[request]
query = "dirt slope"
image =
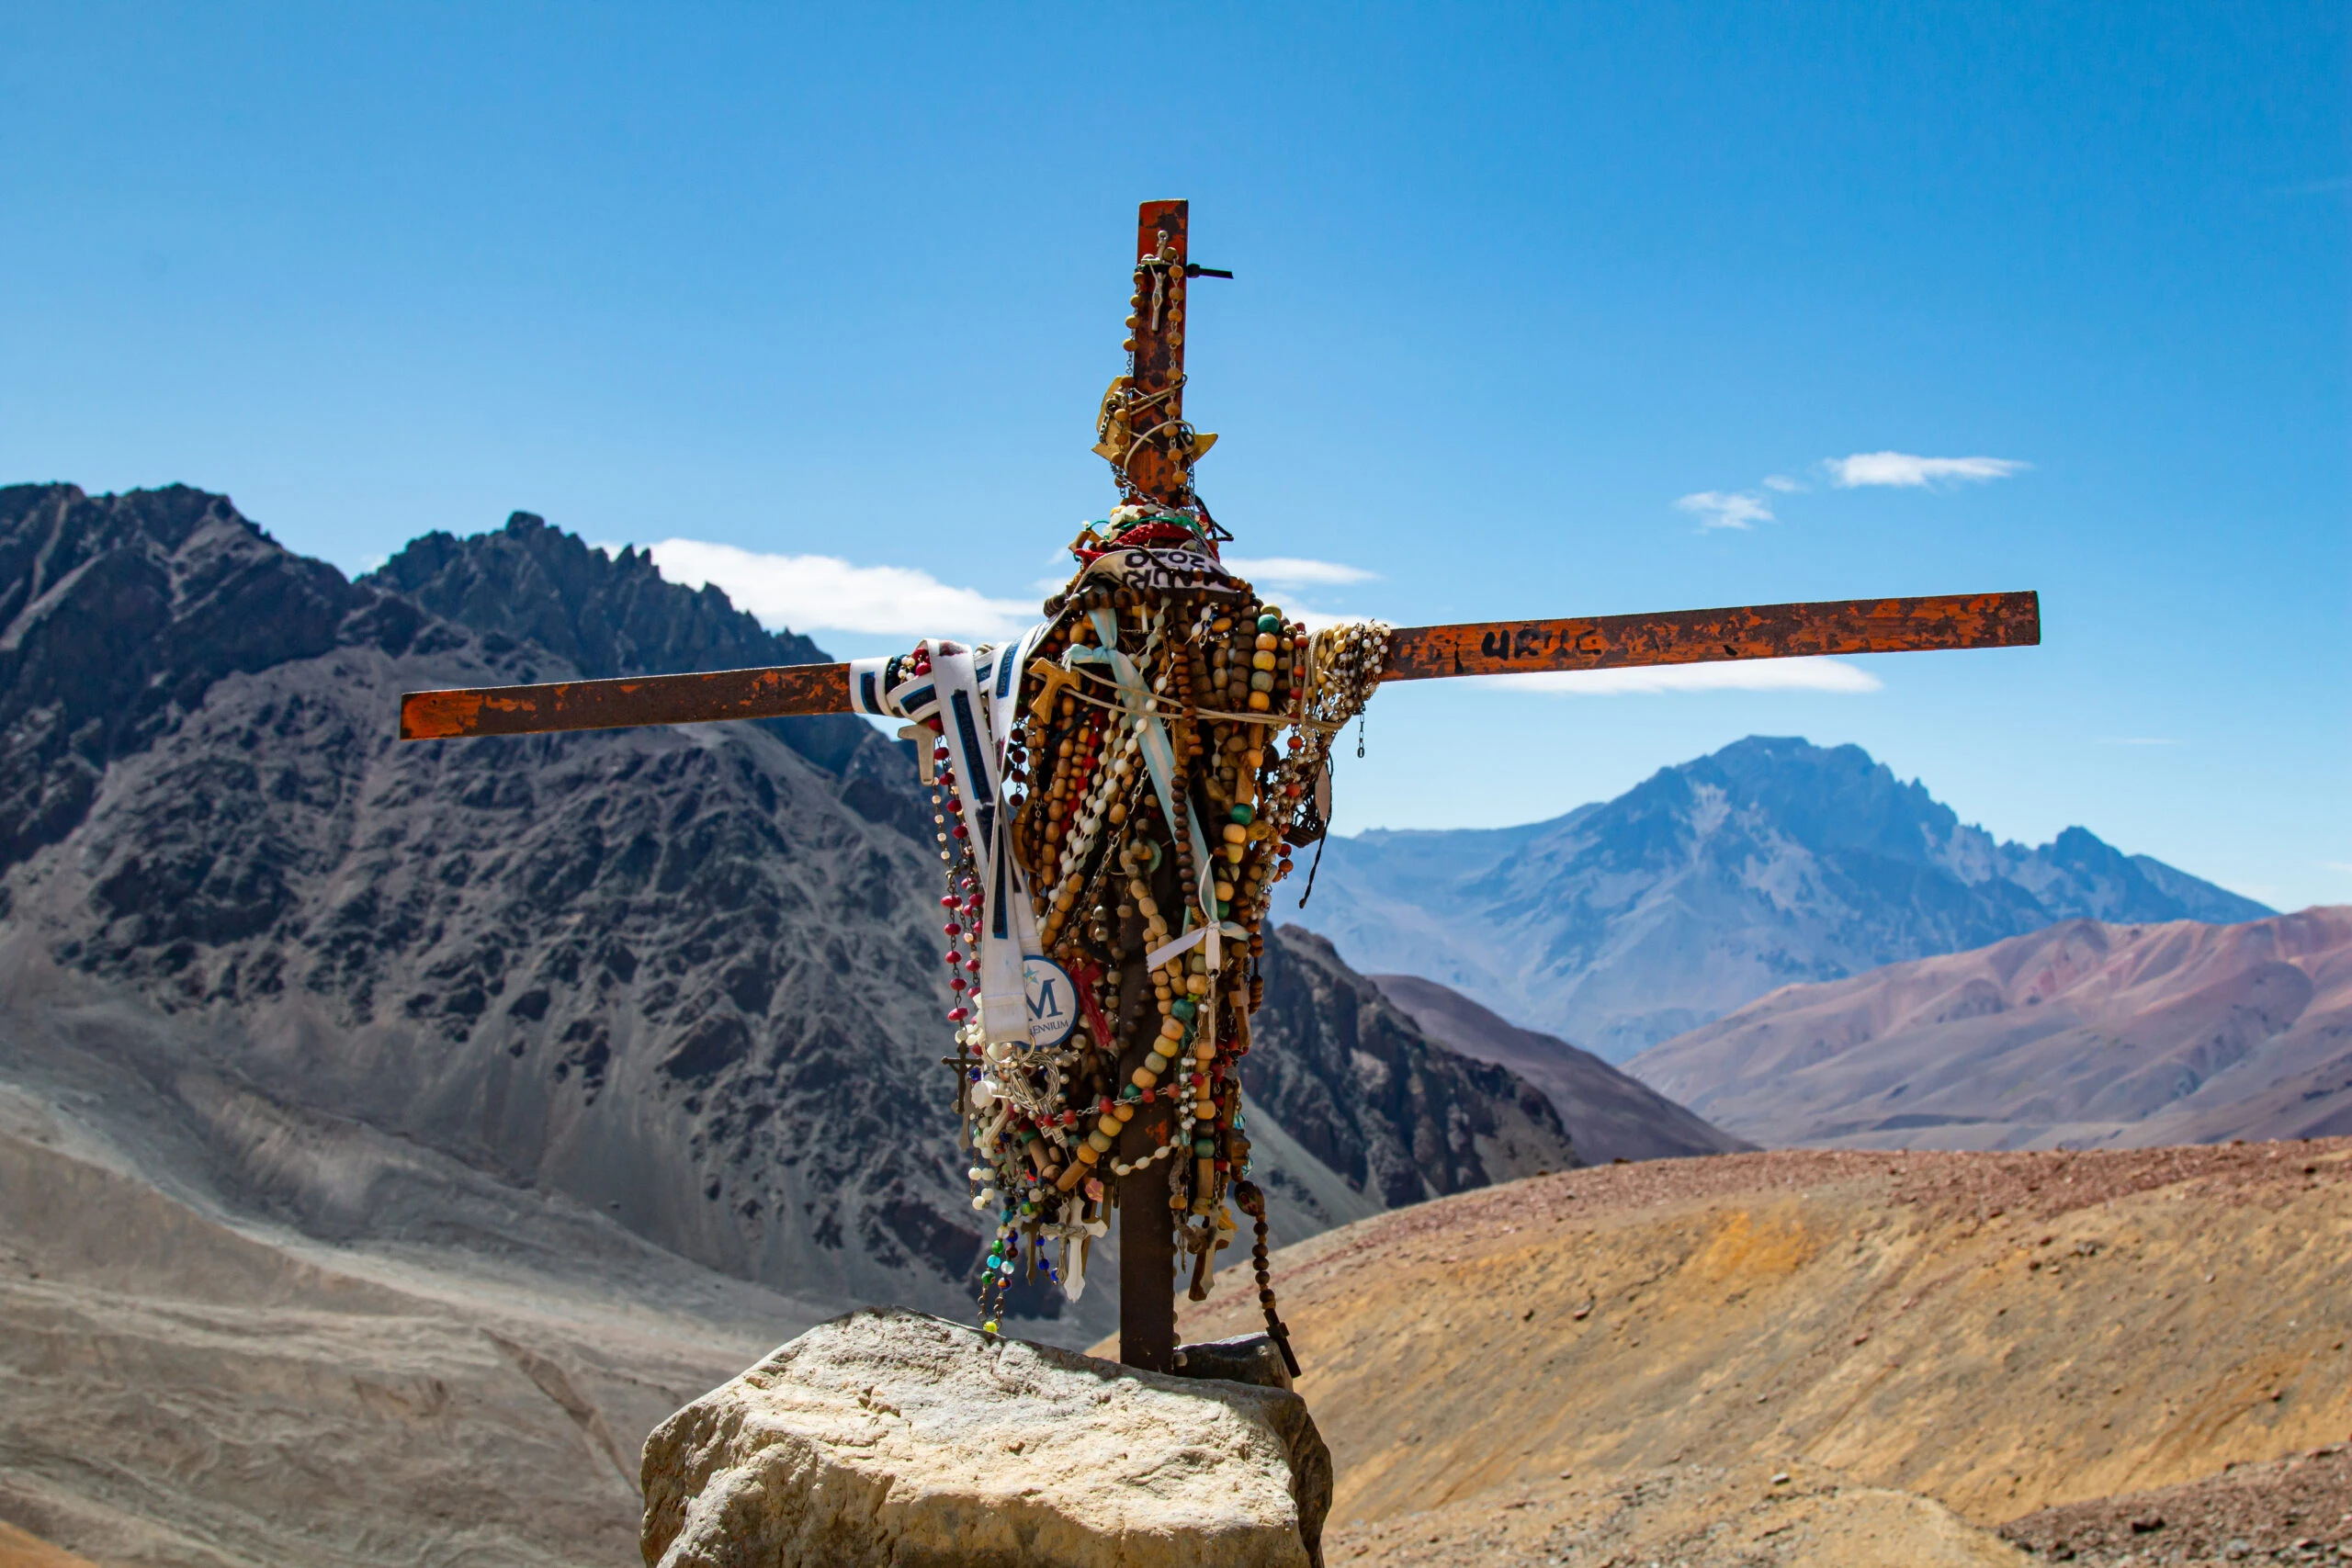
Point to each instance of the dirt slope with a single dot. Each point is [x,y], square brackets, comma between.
[2294,1510]
[174,1390]
[1996,1333]
[1691,1516]
[18,1550]
[2083,1034]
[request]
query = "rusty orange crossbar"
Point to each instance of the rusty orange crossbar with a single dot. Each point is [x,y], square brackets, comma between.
[1416,653]
[776,691]
[1699,636]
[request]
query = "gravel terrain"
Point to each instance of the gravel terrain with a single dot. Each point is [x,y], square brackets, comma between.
[1995,1334]
[2297,1509]
[1690,1516]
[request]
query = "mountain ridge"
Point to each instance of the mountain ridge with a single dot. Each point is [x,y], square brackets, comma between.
[685,978]
[1769,861]
[607,614]
[2084,1035]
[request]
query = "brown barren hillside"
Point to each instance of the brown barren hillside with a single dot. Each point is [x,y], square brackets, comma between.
[1630,1354]
[2085,1034]
[1609,1114]
[18,1550]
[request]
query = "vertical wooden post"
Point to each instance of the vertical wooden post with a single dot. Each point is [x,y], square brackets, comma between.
[1159,338]
[1146,1232]
[1146,1235]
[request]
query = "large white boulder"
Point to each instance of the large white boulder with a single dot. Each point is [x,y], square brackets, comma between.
[902,1440]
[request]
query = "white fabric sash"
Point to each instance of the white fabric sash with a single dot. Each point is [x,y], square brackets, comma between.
[1159,751]
[972,697]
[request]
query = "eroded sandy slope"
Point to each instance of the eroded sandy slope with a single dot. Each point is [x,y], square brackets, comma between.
[1995,1333]
[175,1391]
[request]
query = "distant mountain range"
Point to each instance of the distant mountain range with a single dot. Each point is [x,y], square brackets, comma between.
[676,985]
[1768,863]
[2086,1034]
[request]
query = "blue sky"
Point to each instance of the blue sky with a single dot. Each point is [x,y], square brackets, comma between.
[1515,287]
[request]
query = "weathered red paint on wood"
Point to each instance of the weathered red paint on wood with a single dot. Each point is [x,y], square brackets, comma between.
[1160,351]
[774,691]
[1146,1241]
[1416,653]
[1700,636]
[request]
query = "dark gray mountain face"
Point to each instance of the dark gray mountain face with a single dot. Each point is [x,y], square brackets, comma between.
[675,973]
[1770,861]
[607,616]
[685,980]
[121,614]
[1367,1092]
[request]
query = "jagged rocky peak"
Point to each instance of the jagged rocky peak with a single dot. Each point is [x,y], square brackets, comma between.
[1769,862]
[608,615]
[605,614]
[1366,1090]
[1825,796]
[120,612]
[679,975]
[1832,800]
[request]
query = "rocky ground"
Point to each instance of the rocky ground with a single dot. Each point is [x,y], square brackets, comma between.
[2297,1509]
[1693,1515]
[19,1550]
[1791,1358]
[1935,1346]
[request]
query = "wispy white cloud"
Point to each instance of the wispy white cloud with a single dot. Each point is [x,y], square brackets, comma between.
[1806,675]
[1782,483]
[1720,509]
[2343,865]
[825,592]
[1296,571]
[1316,620]
[1904,471]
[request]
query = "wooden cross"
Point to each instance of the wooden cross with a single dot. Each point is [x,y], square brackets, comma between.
[1146,439]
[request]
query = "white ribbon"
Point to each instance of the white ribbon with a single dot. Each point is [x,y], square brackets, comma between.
[1176,947]
[971,696]
[1158,753]
[1159,761]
